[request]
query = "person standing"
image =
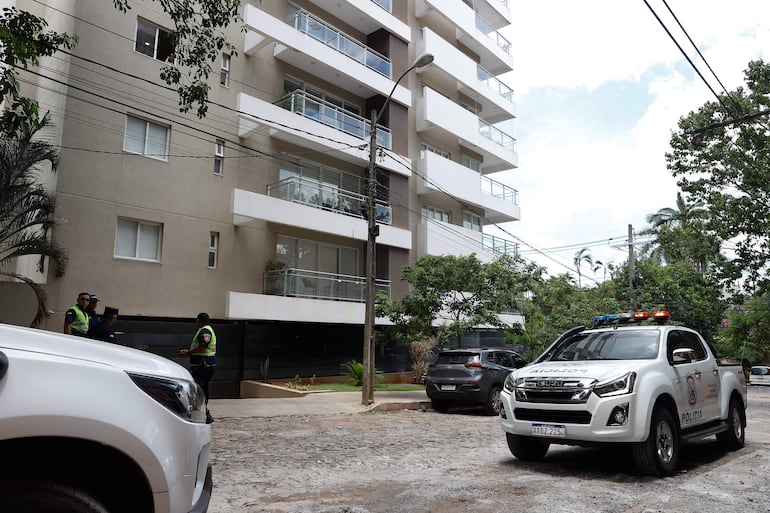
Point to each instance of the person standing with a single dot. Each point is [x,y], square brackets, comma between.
[102,330]
[93,318]
[76,318]
[202,354]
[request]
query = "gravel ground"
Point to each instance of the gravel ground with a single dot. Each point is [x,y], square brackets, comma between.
[422,461]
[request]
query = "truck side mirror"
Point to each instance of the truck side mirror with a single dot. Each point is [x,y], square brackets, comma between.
[683,355]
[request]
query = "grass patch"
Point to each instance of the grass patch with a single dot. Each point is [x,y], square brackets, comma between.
[380,387]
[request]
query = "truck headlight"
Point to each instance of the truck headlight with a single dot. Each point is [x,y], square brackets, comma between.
[509,383]
[182,397]
[616,386]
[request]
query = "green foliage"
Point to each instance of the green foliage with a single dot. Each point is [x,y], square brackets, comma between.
[297,384]
[355,372]
[728,171]
[420,350]
[23,41]
[465,290]
[199,36]
[745,331]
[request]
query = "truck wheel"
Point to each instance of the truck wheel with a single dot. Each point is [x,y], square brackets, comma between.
[493,404]
[439,405]
[526,448]
[735,436]
[659,454]
[51,496]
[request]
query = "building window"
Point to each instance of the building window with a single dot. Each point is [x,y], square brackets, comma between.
[146,138]
[224,73]
[137,239]
[219,156]
[472,221]
[437,151]
[436,214]
[153,41]
[472,163]
[213,249]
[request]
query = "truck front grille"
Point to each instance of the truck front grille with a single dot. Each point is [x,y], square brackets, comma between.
[553,416]
[557,390]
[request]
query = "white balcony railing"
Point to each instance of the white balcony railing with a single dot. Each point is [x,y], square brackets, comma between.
[330,36]
[498,245]
[312,107]
[318,285]
[493,34]
[496,135]
[327,197]
[494,83]
[499,190]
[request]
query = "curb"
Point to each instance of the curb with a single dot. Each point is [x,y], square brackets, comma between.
[415,405]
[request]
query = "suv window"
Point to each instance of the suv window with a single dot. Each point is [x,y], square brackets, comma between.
[457,358]
[504,359]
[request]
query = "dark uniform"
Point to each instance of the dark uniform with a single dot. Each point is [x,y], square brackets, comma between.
[102,329]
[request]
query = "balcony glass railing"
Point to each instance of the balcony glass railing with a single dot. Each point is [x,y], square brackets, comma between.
[328,197]
[499,190]
[494,83]
[499,246]
[388,4]
[336,117]
[493,34]
[496,135]
[330,36]
[318,285]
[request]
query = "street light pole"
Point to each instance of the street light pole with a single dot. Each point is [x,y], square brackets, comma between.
[367,385]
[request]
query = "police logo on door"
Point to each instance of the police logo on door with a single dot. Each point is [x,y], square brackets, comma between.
[692,395]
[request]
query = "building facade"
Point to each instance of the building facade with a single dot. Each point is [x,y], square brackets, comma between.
[256,213]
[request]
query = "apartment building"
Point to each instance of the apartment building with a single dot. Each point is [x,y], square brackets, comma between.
[256,213]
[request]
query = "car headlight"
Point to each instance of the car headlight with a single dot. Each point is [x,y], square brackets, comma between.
[616,386]
[509,383]
[182,397]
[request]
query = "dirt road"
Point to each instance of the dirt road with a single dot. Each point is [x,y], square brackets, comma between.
[415,462]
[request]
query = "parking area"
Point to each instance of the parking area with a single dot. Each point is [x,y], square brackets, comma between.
[422,461]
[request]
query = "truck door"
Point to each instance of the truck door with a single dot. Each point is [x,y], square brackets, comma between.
[696,379]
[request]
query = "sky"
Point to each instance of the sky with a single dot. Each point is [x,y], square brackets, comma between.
[599,86]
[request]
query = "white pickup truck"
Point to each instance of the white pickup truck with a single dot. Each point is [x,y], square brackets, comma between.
[650,386]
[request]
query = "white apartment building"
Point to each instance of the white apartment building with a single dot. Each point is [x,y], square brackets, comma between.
[254,213]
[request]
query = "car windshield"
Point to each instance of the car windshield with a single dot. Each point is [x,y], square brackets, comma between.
[760,371]
[608,345]
[457,358]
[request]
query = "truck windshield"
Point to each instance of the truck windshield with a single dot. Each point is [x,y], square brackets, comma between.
[608,345]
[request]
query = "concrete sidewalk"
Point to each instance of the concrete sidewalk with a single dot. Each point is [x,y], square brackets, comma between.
[317,403]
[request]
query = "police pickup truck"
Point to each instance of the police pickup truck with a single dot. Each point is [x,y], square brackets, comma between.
[633,379]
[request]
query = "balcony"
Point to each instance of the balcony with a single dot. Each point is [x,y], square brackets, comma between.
[439,238]
[252,208]
[367,16]
[319,285]
[333,135]
[496,12]
[327,197]
[472,30]
[442,116]
[452,69]
[441,176]
[312,107]
[310,44]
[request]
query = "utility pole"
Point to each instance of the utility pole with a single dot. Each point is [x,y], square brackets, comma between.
[631,270]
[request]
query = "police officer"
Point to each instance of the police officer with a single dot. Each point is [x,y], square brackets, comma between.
[203,359]
[93,317]
[102,330]
[76,318]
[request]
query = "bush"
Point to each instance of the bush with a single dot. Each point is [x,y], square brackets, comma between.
[420,350]
[355,371]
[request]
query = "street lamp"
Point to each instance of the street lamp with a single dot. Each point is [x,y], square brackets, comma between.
[367,385]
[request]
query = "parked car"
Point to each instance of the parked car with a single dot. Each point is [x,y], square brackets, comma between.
[759,375]
[93,427]
[470,376]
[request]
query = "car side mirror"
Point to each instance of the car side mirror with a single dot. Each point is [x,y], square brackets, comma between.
[683,355]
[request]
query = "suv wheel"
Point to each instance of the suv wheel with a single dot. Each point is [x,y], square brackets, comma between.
[493,403]
[47,496]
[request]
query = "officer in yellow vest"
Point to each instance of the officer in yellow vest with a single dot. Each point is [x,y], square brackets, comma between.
[203,356]
[76,319]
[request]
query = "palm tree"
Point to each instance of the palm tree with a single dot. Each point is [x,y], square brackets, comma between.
[26,209]
[679,216]
[581,256]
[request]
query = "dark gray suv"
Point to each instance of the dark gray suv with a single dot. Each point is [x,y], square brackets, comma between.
[470,376]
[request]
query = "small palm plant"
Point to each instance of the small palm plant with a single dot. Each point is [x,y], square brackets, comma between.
[353,370]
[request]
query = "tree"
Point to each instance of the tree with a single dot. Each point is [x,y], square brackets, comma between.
[581,256]
[745,330]
[26,208]
[728,170]
[468,292]
[199,40]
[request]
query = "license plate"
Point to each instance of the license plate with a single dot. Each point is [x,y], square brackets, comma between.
[447,387]
[554,430]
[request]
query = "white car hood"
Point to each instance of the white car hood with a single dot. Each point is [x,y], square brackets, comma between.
[68,346]
[596,369]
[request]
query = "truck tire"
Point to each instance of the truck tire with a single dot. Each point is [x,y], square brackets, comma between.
[493,404]
[526,448]
[735,436]
[659,454]
[439,405]
[36,495]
